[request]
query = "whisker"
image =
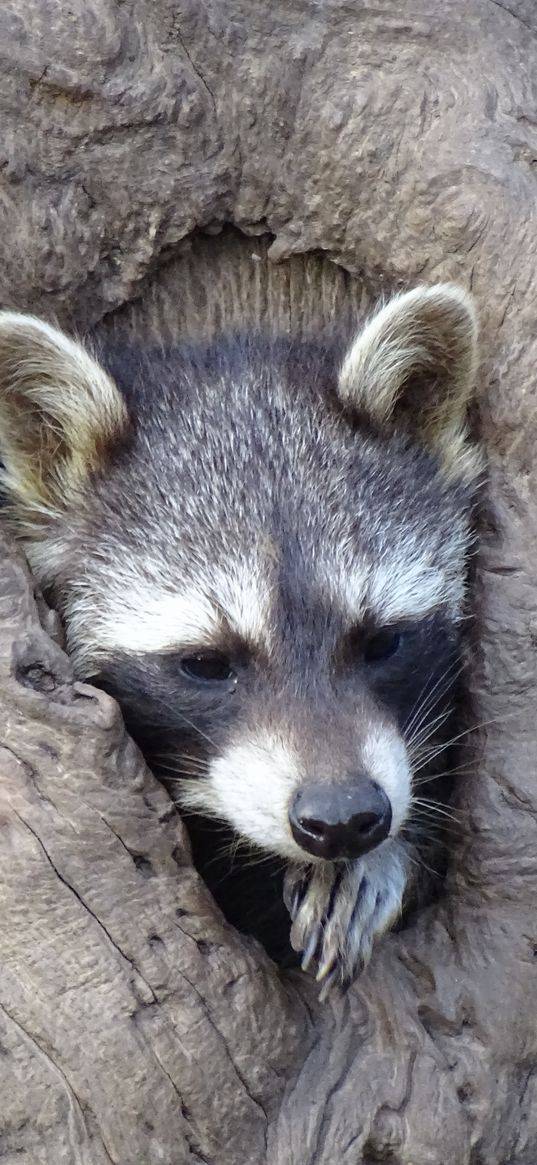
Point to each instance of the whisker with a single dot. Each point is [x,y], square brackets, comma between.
[182,767]
[448,812]
[173,754]
[426,709]
[421,865]
[435,830]
[250,857]
[179,776]
[190,723]
[457,770]
[420,702]
[423,702]
[424,820]
[437,750]
[179,757]
[442,841]
[199,731]
[426,732]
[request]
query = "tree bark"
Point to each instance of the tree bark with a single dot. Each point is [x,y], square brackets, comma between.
[135,1025]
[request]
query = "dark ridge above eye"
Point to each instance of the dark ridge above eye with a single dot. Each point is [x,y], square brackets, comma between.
[381,645]
[207,666]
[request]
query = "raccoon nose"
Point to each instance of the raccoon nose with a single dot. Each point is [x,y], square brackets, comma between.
[340,821]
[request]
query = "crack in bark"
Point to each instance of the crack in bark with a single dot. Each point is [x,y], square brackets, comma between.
[66,1084]
[87,908]
[221,1037]
[196,71]
[515,15]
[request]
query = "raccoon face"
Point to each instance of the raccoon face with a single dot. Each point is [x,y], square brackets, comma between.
[259,547]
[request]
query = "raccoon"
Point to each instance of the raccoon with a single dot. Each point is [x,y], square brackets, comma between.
[259,546]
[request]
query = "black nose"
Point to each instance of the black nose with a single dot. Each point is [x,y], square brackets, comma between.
[340,821]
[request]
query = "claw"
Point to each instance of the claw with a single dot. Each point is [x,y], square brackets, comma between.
[329,983]
[296,900]
[312,944]
[339,914]
[327,964]
[293,897]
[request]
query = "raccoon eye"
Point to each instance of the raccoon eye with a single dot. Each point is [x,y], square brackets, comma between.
[207,666]
[382,645]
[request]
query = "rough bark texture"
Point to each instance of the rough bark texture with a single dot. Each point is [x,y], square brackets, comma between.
[401,140]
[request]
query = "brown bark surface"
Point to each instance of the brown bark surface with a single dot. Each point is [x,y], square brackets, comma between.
[401,140]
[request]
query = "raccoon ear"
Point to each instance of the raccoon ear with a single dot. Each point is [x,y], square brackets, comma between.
[58,413]
[414,365]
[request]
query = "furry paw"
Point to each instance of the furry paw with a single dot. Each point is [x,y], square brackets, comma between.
[338,910]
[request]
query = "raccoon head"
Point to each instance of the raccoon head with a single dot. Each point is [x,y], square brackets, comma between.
[259,547]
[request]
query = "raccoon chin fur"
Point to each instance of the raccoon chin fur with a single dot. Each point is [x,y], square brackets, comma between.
[259,546]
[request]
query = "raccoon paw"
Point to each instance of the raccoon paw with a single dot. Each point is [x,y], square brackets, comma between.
[339,910]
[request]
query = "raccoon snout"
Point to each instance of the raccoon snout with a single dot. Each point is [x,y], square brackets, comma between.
[340,821]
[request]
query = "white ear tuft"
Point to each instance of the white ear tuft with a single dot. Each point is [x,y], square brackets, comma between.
[414,366]
[59,412]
